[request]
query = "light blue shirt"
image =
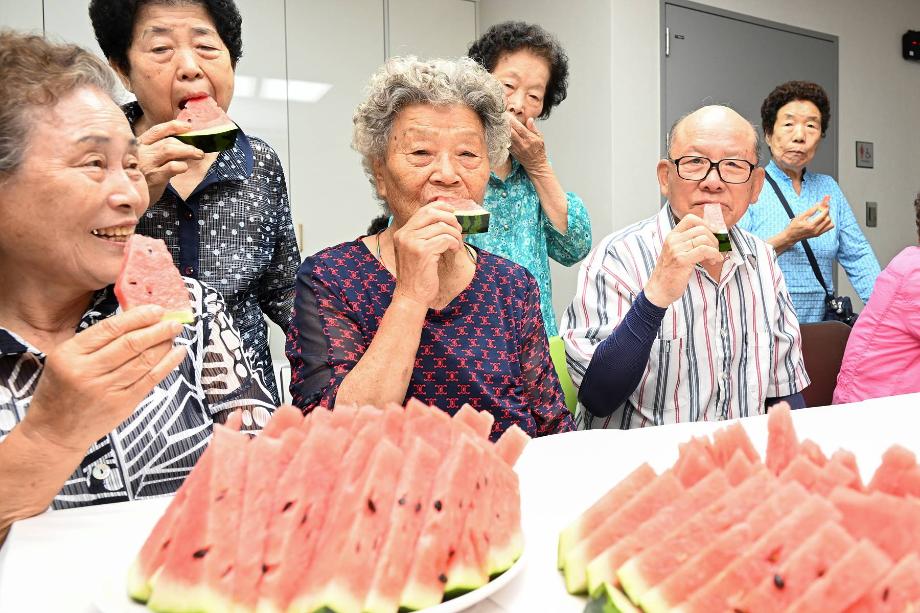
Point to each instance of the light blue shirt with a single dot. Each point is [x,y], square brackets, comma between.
[520,231]
[845,242]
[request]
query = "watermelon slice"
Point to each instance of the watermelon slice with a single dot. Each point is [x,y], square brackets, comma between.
[846,581]
[148,276]
[898,473]
[731,439]
[603,568]
[739,468]
[608,599]
[807,564]
[782,442]
[211,129]
[694,461]
[892,523]
[712,215]
[606,507]
[895,591]
[472,217]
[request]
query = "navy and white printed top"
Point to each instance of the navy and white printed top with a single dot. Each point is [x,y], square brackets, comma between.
[234,232]
[152,451]
[487,348]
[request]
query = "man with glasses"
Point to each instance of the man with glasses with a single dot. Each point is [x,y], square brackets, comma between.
[666,328]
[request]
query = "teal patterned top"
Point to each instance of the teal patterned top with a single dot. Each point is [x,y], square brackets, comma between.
[520,231]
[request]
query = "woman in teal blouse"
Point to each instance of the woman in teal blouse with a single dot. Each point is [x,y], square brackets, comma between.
[532,218]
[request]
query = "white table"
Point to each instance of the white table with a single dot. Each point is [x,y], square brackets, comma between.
[60,560]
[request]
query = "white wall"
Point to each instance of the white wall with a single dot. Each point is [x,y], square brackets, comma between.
[22,15]
[578,131]
[879,94]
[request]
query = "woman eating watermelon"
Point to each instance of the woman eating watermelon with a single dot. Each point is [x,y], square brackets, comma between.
[223,214]
[96,405]
[413,310]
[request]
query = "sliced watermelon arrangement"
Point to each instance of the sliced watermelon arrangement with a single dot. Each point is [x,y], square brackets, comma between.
[723,531]
[351,511]
[148,276]
[211,128]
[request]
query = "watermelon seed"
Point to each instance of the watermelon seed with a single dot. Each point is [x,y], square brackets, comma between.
[220,496]
[821,572]
[303,519]
[437,505]
[200,553]
[287,505]
[442,578]
[477,485]
[418,507]
[774,555]
[450,554]
[778,581]
[371,505]
[264,568]
[885,595]
[166,543]
[132,282]
[227,571]
[402,501]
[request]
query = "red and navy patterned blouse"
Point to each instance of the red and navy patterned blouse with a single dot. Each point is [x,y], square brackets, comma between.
[487,348]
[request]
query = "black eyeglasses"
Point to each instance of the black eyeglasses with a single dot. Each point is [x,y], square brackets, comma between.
[697,168]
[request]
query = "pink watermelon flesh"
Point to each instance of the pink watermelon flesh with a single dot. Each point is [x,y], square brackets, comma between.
[189,576]
[352,566]
[846,581]
[762,559]
[739,468]
[598,512]
[806,565]
[812,451]
[324,530]
[894,592]
[693,463]
[442,527]
[653,565]
[413,495]
[892,523]
[782,443]
[724,549]
[267,456]
[894,474]
[298,512]
[286,416]
[801,470]
[835,474]
[510,445]
[728,440]
[603,567]
[148,276]
[480,421]
[203,113]
[648,501]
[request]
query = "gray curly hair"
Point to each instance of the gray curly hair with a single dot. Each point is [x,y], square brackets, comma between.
[407,80]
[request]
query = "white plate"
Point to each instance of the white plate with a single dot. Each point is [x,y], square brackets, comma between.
[114,598]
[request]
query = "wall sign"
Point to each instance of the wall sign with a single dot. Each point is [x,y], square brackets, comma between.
[864,156]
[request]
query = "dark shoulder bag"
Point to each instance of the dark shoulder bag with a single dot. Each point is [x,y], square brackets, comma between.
[836,308]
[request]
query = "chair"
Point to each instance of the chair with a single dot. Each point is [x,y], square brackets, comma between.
[557,355]
[823,344]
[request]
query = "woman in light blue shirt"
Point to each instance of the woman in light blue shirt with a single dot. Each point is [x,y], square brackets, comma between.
[795,117]
[532,218]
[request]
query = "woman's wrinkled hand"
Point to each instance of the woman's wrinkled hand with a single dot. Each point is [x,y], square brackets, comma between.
[811,223]
[95,380]
[527,145]
[161,158]
[419,244]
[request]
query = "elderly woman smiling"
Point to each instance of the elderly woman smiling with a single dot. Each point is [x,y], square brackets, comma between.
[414,310]
[96,405]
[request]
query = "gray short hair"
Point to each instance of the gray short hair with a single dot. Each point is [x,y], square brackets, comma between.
[676,125]
[36,73]
[407,80]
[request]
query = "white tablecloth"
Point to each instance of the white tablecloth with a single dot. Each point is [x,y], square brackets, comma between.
[63,560]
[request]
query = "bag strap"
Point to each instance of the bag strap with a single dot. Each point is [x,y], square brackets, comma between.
[808,252]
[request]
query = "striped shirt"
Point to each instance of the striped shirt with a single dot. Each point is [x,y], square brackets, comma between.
[151,452]
[722,348]
[845,242]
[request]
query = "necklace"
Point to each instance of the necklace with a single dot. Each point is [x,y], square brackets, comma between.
[469,250]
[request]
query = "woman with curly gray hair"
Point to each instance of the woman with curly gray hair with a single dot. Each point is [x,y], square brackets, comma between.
[413,311]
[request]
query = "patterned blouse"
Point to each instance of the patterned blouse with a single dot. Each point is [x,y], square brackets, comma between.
[844,243]
[151,452]
[520,231]
[487,348]
[234,232]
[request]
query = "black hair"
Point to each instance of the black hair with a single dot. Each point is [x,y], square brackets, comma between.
[789,92]
[113,24]
[511,36]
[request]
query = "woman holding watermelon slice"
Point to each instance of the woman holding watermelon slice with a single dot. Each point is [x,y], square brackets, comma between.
[96,405]
[414,310]
[223,214]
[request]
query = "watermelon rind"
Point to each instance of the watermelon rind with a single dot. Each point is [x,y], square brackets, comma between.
[501,559]
[186,599]
[608,599]
[462,581]
[183,317]
[213,139]
[634,584]
[138,585]
[473,222]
